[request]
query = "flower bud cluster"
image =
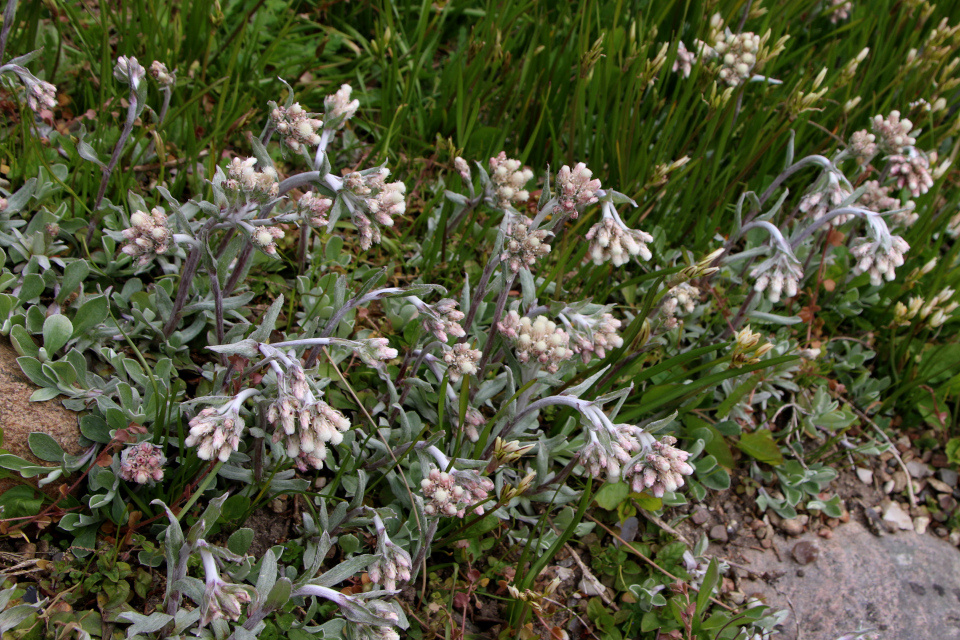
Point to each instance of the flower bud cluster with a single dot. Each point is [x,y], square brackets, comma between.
[683,297]
[216,434]
[148,236]
[576,189]
[593,334]
[826,194]
[339,107]
[41,95]
[522,247]
[841,10]
[265,239]
[163,76]
[661,469]
[246,183]
[738,56]
[472,421]
[355,630]
[539,340]
[304,423]
[849,71]
[863,146]
[505,452]
[383,200]
[747,348]
[129,71]
[911,170]
[449,494]
[296,127]
[893,133]
[610,241]
[610,447]
[461,361]
[314,208]
[509,178]
[443,318]
[463,168]
[877,198]
[392,563]
[933,313]
[684,61]
[878,260]
[779,274]
[221,599]
[142,463]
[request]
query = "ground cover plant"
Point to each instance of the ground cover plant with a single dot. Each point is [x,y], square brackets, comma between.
[471,296]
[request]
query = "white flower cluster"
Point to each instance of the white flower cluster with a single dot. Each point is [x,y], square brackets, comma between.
[911,170]
[41,95]
[216,433]
[683,297]
[892,132]
[129,71]
[339,107]
[660,470]
[148,236]
[576,189]
[391,565]
[461,361]
[610,447]
[220,599]
[296,127]
[314,208]
[509,177]
[463,168]
[877,198]
[931,311]
[842,9]
[142,463]
[246,183]
[877,260]
[684,61]
[265,239]
[863,146]
[778,274]
[443,318]
[522,247]
[737,53]
[382,199]
[449,494]
[540,340]
[610,241]
[303,422]
[826,194]
[593,334]
[162,75]
[374,352]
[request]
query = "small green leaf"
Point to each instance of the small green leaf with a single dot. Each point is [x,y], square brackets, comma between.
[91,313]
[349,543]
[73,275]
[761,445]
[612,494]
[57,329]
[240,540]
[45,447]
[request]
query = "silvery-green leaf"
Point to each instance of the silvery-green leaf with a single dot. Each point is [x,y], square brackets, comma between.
[145,624]
[57,329]
[45,447]
[247,348]
[344,570]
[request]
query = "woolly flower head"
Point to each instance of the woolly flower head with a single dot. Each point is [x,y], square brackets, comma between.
[594,334]
[911,170]
[877,198]
[609,447]
[463,168]
[129,71]
[777,275]
[163,76]
[442,319]
[461,361]
[879,258]
[265,239]
[244,182]
[684,61]
[215,434]
[609,241]
[41,95]
[296,127]
[142,463]
[660,469]
[314,208]
[148,236]
[863,146]
[339,107]
[576,189]
[509,178]
[738,55]
[449,494]
[392,563]
[371,193]
[892,132]
[522,247]
[683,298]
[539,341]
[826,194]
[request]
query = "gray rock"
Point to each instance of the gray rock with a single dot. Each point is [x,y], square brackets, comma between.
[899,584]
[865,475]
[919,469]
[895,514]
[700,515]
[949,476]
[719,533]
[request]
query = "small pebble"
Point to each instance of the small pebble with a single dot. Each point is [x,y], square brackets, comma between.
[825,533]
[793,526]
[805,552]
[865,475]
[700,515]
[719,533]
[920,524]
[949,476]
[766,544]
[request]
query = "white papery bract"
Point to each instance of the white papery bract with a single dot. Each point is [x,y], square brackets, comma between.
[509,179]
[610,241]
[738,55]
[442,318]
[877,198]
[863,146]
[451,493]
[522,247]
[879,257]
[576,189]
[827,193]
[142,463]
[893,134]
[148,236]
[461,361]
[539,341]
[265,239]
[314,208]
[592,334]
[392,563]
[296,127]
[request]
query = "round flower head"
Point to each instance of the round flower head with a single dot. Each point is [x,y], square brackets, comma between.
[461,361]
[893,134]
[878,260]
[339,107]
[296,127]
[538,341]
[738,56]
[449,494]
[522,247]
[684,61]
[142,463]
[912,171]
[576,189]
[148,236]
[610,242]
[509,179]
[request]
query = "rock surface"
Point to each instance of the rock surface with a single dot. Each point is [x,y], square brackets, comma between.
[903,586]
[19,417]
